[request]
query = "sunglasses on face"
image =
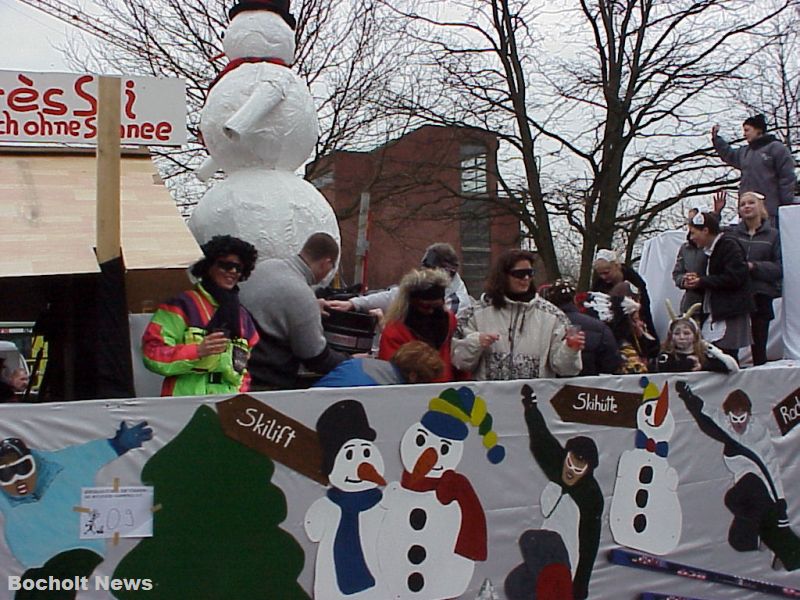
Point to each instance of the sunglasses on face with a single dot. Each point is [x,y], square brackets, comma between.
[521,273]
[19,469]
[738,419]
[573,467]
[229,265]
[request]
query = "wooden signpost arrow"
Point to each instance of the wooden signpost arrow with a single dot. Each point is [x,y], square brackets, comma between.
[596,406]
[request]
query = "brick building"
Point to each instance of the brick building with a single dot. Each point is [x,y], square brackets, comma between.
[435,184]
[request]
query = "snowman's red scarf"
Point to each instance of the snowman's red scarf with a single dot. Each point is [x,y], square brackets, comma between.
[471,541]
[240,61]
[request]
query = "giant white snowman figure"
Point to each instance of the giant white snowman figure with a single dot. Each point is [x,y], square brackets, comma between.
[259,125]
[645,510]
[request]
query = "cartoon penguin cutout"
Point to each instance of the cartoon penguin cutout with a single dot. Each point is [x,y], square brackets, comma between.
[435,528]
[645,510]
[346,521]
[260,125]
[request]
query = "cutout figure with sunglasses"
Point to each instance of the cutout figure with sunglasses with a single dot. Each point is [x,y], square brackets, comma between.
[39,488]
[513,333]
[756,499]
[201,340]
[559,557]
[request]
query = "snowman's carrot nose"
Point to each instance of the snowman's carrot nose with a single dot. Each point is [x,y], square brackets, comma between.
[662,406]
[425,463]
[368,472]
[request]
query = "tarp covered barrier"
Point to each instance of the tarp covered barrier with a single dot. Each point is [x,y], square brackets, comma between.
[232,520]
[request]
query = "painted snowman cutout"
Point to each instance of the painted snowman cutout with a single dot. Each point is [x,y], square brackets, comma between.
[645,510]
[346,521]
[259,125]
[435,528]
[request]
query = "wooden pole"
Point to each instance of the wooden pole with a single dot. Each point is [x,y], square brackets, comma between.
[362,244]
[109,235]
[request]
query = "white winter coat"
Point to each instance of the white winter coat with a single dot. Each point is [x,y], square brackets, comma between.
[531,343]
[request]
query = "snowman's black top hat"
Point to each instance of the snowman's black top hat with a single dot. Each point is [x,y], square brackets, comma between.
[280,7]
[343,421]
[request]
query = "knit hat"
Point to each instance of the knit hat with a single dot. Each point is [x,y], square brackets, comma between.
[651,393]
[448,415]
[340,422]
[757,121]
[280,7]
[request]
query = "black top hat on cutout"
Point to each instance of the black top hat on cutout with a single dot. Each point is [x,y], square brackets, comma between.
[342,421]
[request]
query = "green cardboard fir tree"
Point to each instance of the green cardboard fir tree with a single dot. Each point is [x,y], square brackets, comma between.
[217,534]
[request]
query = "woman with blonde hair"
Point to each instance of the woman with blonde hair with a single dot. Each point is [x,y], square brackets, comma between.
[762,248]
[418,313]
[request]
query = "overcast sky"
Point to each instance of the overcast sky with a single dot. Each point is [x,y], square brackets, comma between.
[29,37]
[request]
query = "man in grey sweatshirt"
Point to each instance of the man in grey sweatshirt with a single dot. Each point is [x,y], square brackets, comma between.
[767,166]
[287,314]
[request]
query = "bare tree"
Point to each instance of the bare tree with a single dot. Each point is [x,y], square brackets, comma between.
[604,134]
[345,51]
[772,86]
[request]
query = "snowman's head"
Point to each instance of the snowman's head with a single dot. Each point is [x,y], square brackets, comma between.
[259,33]
[426,454]
[655,420]
[358,466]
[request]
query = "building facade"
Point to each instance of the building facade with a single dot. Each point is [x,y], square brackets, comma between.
[435,184]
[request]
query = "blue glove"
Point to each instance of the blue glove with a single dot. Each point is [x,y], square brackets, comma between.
[129,438]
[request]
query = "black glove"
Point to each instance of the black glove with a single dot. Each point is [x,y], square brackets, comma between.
[683,389]
[529,399]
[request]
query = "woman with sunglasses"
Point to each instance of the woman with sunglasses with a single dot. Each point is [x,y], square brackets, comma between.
[201,340]
[512,333]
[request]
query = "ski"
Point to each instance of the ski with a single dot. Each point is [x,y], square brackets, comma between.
[657,596]
[638,560]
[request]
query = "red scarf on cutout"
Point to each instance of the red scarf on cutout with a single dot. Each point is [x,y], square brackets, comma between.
[471,541]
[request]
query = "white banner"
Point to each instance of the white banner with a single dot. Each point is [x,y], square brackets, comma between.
[226,504]
[62,107]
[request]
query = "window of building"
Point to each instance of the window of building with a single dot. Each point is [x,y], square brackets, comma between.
[473,170]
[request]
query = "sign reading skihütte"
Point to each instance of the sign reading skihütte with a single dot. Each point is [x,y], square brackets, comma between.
[62,107]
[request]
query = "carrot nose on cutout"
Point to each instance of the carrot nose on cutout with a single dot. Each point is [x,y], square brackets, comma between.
[368,472]
[662,406]
[425,463]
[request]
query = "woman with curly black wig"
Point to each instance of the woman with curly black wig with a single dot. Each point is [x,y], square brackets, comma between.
[201,340]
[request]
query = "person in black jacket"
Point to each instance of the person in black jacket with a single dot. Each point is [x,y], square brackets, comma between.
[601,352]
[726,286]
[762,248]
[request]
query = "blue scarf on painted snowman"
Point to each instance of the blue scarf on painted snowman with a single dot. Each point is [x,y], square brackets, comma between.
[352,573]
